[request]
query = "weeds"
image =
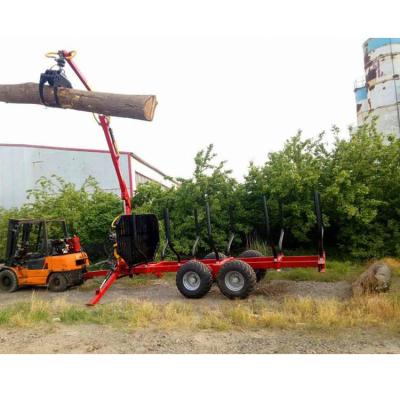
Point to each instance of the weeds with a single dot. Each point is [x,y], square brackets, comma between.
[377,311]
[335,271]
[381,310]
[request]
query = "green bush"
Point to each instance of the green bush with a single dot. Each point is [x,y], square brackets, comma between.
[88,210]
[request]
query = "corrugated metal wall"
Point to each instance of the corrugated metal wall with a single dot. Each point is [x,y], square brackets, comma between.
[21,166]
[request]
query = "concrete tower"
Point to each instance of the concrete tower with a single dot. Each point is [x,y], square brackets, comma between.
[379,94]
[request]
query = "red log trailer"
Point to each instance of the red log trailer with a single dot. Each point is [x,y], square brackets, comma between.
[137,239]
[137,236]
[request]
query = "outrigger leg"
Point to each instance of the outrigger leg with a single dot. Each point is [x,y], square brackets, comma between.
[101,291]
[112,275]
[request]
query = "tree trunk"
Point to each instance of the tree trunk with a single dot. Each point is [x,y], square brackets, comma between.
[375,279]
[113,105]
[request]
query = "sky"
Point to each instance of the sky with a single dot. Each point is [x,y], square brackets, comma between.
[226,74]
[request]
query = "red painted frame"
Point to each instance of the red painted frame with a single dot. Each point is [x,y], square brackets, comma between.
[158,268]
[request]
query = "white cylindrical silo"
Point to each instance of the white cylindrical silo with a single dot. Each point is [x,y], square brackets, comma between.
[380,96]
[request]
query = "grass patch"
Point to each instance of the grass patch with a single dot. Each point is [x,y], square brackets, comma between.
[335,271]
[25,313]
[306,313]
[256,313]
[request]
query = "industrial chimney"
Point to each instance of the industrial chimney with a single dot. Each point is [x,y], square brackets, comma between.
[379,93]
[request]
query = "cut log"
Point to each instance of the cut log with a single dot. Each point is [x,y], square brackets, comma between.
[375,279]
[109,104]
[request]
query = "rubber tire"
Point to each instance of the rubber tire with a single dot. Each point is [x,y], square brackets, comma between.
[249,279]
[11,279]
[260,273]
[206,279]
[211,256]
[57,282]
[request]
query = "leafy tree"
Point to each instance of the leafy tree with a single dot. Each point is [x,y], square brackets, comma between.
[211,182]
[363,192]
[359,181]
[290,177]
[358,178]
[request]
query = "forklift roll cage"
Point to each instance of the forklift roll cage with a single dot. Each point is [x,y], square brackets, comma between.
[22,229]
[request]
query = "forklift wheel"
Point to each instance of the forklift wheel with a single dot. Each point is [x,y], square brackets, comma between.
[236,279]
[260,273]
[57,283]
[8,281]
[194,279]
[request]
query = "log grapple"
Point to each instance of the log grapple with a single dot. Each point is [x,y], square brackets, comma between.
[54,78]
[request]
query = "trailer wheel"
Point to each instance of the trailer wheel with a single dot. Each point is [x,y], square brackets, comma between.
[8,281]
[260,273]
[236,279]
[211,256]
[194,279]
[57,283]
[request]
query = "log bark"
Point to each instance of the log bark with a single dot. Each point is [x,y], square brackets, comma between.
[375,279]
[113,105]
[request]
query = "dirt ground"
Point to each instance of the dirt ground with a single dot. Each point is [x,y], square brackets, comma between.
[62,338]
[79,339]
[164,291]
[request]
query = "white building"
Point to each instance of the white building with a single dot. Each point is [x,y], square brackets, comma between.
[22,165]
[379,93]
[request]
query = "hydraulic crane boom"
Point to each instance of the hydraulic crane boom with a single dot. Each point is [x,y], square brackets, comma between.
[104,121]
[56,79]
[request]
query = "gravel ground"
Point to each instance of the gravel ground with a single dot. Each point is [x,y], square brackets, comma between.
[164,291]
[79,339]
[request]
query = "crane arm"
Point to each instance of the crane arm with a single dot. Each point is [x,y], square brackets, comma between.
[104,122]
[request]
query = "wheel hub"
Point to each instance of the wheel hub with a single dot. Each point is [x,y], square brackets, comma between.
[6,281]
[234,281]
[191,280]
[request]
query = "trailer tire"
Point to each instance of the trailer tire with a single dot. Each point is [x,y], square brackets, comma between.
[8,281]
[236,279]
[57,282]
[194,279]
[260,273]
[211,256]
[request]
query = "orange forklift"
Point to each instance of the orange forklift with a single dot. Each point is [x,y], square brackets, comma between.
[41,253]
